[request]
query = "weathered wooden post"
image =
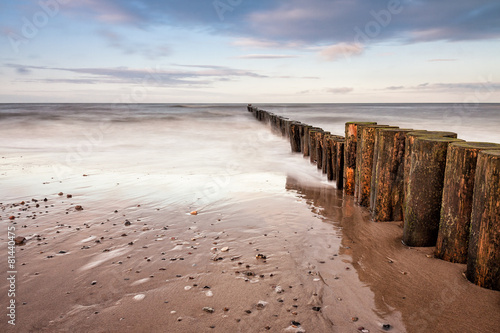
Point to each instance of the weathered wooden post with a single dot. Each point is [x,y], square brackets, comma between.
[410,138]
[425,190]
[351,136]
[325,153]
[453,236]
[305,140]
[364,162]
[339,172]
[313,152]
[328,161]
[387,190]
[483,262]
[320,149]
[294,134]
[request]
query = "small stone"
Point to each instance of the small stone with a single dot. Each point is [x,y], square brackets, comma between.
[19,240]
[208,309]
[354,319]
[78,208]
[316,308]
[93,283]
[261,304]
[69,196]
[225,249]
[12,217]
[127,223]
[62,252]
[260,256]
[295,323]
[386,327]
[60,193]
[194,212]
[248,311]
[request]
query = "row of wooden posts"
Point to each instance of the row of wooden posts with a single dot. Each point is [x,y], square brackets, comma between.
[446,190]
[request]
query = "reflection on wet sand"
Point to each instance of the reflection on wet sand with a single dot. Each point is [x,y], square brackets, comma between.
[431,295]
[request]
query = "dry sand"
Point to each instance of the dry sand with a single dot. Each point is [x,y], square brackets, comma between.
[328,268]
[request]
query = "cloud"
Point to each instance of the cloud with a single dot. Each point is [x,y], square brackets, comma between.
[342,50]
[337,91]
[461,87]
[283,23]
[265,44]
[126,46]
[266,56]
[22,70]
[202,75]
[341,90]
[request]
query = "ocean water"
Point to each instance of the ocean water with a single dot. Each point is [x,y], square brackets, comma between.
[194,153]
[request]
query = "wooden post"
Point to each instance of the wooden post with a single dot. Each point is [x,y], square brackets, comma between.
[387,191]
[305,140]
[339,172]
[453,236]
[410,138]
[425,190]
[320,149]
[294,134]
[483,262]
[313,134]
[364,162]
[328,162]
[351,135]
[326,154]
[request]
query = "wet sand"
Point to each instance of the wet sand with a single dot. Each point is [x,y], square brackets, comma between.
[327,267]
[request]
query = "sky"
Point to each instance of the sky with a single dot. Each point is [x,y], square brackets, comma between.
[250,51]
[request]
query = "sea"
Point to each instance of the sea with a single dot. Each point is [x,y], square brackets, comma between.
[193,152]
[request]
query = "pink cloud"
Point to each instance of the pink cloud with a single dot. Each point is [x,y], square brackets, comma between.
[341,50]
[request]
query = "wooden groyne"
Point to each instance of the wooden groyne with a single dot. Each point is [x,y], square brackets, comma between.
[445,190]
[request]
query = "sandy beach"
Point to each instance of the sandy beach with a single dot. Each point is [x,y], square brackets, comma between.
[164,231]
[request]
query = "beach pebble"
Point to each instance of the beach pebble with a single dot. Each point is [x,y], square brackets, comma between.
[78,207]
[12,217]
[194,212]
[19,240]
[260,256]
[127,223]
[69,196]
[173,312]
[209,293]
[139,297]
[187,288]
[386,327]
[60,193]
[225,249]
[278,289]
[316,308]
[261,304]
[208,309]
[93,283]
